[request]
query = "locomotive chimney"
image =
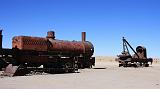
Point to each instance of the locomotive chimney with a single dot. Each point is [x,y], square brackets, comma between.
[83,36]
[51,34]
[1,39]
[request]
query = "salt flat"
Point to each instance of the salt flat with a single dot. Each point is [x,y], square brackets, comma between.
[105,75]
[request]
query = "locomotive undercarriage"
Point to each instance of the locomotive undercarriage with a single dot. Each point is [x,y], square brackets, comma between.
[27,61]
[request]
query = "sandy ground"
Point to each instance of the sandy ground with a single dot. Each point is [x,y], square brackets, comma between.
[105,75]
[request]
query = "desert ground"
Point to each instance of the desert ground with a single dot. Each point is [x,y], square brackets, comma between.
[105,75]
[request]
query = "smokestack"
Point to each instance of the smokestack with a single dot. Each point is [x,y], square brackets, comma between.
[83,36]
[1,39]
[51,34]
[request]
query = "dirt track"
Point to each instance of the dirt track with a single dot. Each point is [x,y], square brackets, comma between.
[106,75]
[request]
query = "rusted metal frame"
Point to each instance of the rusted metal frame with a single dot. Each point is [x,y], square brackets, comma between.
[130,47]
[125,44]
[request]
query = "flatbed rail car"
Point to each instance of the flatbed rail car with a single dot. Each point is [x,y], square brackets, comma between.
[30,53]
[138,59]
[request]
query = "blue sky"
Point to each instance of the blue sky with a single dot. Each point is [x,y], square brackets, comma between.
[105,22]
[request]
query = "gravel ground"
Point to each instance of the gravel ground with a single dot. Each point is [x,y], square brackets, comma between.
[105,75]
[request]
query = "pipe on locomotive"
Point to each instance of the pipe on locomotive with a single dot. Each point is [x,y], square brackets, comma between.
[83,36]
[51,34]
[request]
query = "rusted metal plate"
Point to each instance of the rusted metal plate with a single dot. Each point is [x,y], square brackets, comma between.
[10,70]
[30,43]
[44,44]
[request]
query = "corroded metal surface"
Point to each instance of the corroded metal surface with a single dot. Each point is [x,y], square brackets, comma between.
[30,43]
[49,43]
[139,58]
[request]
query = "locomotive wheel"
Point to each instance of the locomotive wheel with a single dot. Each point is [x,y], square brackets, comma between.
[67,67]
[81,66]
[125,64]
[135,65]
[75,68]
[120,65]
[146,65]
[90,65]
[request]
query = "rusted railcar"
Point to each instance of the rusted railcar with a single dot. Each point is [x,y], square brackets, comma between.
[139,58]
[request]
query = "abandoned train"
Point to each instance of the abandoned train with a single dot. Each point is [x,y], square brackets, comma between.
[139,58]
[52,54]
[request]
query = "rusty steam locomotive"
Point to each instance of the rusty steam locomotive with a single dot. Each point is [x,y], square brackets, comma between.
[29,53]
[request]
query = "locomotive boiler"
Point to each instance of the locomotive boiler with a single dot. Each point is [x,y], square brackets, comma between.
[51,53]
[51,44]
